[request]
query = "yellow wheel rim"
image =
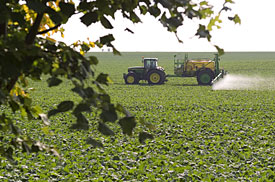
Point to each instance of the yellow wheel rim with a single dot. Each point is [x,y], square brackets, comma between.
[130,79]
[154,77]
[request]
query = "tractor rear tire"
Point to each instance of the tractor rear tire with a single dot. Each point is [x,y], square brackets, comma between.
[156,77]
[205,77]
[131,78]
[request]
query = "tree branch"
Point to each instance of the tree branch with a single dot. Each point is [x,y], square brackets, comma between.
[34,29]
[12,82]
[50,29]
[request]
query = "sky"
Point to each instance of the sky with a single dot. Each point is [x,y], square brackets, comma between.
[256,32]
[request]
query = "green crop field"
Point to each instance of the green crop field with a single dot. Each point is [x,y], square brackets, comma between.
[200,134]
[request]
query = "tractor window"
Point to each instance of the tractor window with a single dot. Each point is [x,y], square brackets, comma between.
[150,63]
[147,64]
[154,64]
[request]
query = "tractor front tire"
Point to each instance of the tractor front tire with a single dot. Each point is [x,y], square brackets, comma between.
[131,78]
[205,77]
[156,77]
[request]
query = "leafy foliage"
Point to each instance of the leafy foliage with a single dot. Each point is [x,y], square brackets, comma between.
[199,134]
[28,52]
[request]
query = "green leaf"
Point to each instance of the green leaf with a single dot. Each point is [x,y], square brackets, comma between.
[202,32]
[37,6]
[166,3]
[27,101]
[53,81]
[65,106]
[174,22]
[236,19]
[204,3]
[105,22]
[85,47]
[67,8]
[104,129]
[154,10]
[93,142]
[134,18]
[83,5]
[93,60]
[191,13]
[213,22]
[89,92]
[82,108]
[143,9]
[220,51]
[81,123]
[116,52]
[36,110]
[55,16]
[109,115]
[89,18]
[23,112]
[107,39]
[79,90]
[127,124]
[121,109]
[229,1]
[102,78]
[100,88]
[105,98]
[85,70]
[52,112]
[143,136]
[84,92]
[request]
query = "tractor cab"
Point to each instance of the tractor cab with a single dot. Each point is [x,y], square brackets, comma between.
[150,63]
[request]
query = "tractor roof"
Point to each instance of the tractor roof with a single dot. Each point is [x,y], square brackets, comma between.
[154,59]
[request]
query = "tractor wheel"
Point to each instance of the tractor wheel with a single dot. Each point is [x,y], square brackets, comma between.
[131,78]
[156,77]
[205,77]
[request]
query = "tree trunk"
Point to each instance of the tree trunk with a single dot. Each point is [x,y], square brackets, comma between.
[3,29]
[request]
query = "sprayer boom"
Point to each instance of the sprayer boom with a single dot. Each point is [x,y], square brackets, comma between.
[219,76]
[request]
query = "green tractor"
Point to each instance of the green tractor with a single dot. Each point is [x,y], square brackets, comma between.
[150,72]
[207,71]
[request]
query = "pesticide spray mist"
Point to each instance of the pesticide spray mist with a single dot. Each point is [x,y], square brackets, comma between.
[241,82]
